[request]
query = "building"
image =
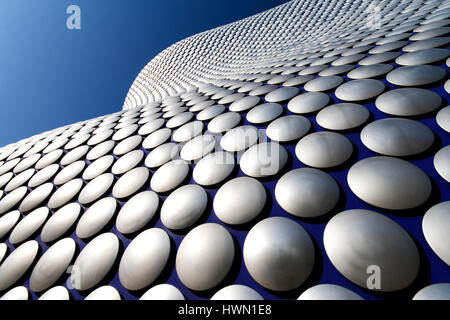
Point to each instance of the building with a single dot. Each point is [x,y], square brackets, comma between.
[301,152]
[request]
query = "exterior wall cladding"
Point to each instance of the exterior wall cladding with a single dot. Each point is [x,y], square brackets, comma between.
[299,153]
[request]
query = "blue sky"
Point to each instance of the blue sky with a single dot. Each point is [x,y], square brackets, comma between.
[51,76]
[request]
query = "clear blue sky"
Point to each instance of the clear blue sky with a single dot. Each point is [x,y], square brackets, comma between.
[51,76]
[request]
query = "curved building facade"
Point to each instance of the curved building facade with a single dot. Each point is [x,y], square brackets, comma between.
[301,153]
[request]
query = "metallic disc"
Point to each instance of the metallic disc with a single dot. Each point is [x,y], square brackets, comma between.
[174,112]
[357,90]
[130,182]
[15,294]
[441,163]
[378,58]
[156,138]
[279,79]
[307,192]
[56,144]
[264,159]
[163,292]
[55,293]
[224,122]
[19,180]
[308,102]
[347,59]
[65,193]
[70,172]
[443,118]
[43,175]
[127,162]
[389,183]
[183,207]
[205,257]
[8,165]
[278,254]
[19,153]
[100,150]
[198,147]
[371,71]
[137,212]
[76,142]
[296,81]
[8,221]
[282,94]
[342,116]
[388,47]
[99,166]
[425,56]
[408,102]
[336,70]
[162,154]
[60,222]
[324,149]
[426,44]
[5,178]
[27,163]
[231,98]
[432,23]
[150,127]
[239,200]
[329,292]
[74,155]
[3,251]
[210,112]
[437,291]
[100,137]
[397,137]
[179,120]
[94,261]
[96,188]
[188,131]
[288,128]
[144,259]
[239,138]
[125,132]
[96,217]
[104,293]
[323,83]
[352,241]
[312,70]
[436,226]
[196,100]
[34,152]
[262,90]
[28,225]
[237,292]
[17,263]
[52,264]
[264,113]
[249,86]
[415,75]
[244,104]
[201,106]
[35,197]
[102,127]
[214,168]
[169,176]
[127,145]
